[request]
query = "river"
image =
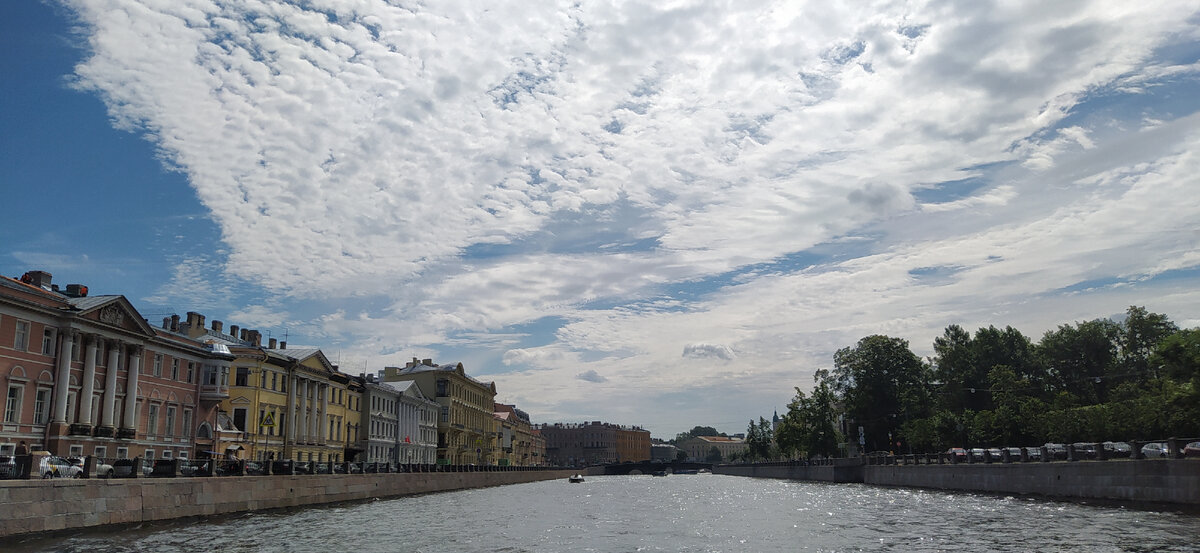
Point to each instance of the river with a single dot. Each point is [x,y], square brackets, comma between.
[679,513]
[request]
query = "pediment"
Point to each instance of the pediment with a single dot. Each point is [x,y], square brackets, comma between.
[240,400]
[116,312]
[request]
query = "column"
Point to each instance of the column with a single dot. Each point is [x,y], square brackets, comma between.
[295,409]
[131,384]
[62,383]
[324,413]
[303,410]
[313,416]
[110,388]
[89,381]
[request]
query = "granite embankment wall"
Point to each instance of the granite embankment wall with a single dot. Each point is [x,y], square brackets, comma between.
[842,470]
[28,506]
[1148,480]
[1151,481]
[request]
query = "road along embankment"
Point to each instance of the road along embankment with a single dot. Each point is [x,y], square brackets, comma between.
[28,506]
[1174,481]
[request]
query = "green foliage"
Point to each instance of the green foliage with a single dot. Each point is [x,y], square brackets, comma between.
[714,455]
[758,440]
[696,431]
[1091,381]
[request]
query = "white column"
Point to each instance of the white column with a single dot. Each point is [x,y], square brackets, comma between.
[291,422]
[110,388]
[62,384]
[303,410]
[324,413]
[131,383]
[89,381]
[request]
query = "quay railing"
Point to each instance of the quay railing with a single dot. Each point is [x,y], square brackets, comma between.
[22,467]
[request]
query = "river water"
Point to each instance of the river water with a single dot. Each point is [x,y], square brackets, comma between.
[679,513]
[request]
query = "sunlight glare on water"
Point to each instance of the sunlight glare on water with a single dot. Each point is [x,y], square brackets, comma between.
[682,513]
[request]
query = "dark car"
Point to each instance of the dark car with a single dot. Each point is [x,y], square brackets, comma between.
[1117,450]
[1086,450]
[1056,451]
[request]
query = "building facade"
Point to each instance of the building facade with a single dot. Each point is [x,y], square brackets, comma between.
[466,426]
[87,375]
[594,443]
[519,445]
[700,448]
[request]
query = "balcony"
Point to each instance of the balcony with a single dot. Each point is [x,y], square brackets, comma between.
[213,392]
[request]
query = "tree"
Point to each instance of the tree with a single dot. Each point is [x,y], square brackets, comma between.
[758,439]
[882,384]
[714,455]
[1140,334]
[696,431]
[1079,357]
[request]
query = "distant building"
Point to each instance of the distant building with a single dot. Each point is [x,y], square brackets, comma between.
[519,445]
[594,443]
[699,448]
[664,453]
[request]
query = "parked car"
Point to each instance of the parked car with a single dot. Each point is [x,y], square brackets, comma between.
[1117,449]
[123,468]
[976,454]
[1192,449]
[1014,453]
[958,452]
[1056,451]
[58,467]
[1154,450]
[1085,450]
[1035,453]
[103,470]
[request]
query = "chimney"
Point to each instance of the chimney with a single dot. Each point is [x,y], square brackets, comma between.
[218,326]
[256,337]
[166,323]
[282,345]
[73,290]
[195,320]
[245,335]
[271,343]
[233,331]
[427,362]
[37,278]
[175,323]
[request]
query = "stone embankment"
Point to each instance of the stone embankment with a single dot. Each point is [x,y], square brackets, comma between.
[28,506]
[1174,481]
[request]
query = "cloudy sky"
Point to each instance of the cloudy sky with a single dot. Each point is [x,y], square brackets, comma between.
[663,214]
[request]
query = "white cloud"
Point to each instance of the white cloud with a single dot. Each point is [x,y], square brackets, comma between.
[425,177]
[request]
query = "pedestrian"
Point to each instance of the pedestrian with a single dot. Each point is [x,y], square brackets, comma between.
[22,449]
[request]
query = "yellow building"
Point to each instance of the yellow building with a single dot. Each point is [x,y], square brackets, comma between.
[466,424]
[517,443]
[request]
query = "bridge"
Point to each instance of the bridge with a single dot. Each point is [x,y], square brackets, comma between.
[647,467]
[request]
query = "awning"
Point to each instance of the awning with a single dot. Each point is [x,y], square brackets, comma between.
[234,448]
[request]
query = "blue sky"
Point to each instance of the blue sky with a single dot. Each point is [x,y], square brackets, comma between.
[653,214]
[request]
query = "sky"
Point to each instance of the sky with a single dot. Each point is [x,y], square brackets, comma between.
[662,214]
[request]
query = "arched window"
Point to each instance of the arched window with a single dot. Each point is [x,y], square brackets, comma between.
[204,432]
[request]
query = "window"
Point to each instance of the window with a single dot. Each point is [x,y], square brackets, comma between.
[149,455]
[441,387]
[187,423]
[48,341]
[191,371]
[170,421]
[274,376]
[158,365]
[243,377]
[445,414]
[174,369]
[239,418]
[122,453]
[167,454]
[183,455]
[12,405]
[100,451]
[21,339]
[152,421]
[210,375]
[41,406]
[204,432]
[76,451]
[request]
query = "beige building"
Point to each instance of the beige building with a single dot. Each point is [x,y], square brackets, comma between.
[699,448]
[519,445]
[466,423]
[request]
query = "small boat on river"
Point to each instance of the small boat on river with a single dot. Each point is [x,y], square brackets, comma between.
[577,479]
